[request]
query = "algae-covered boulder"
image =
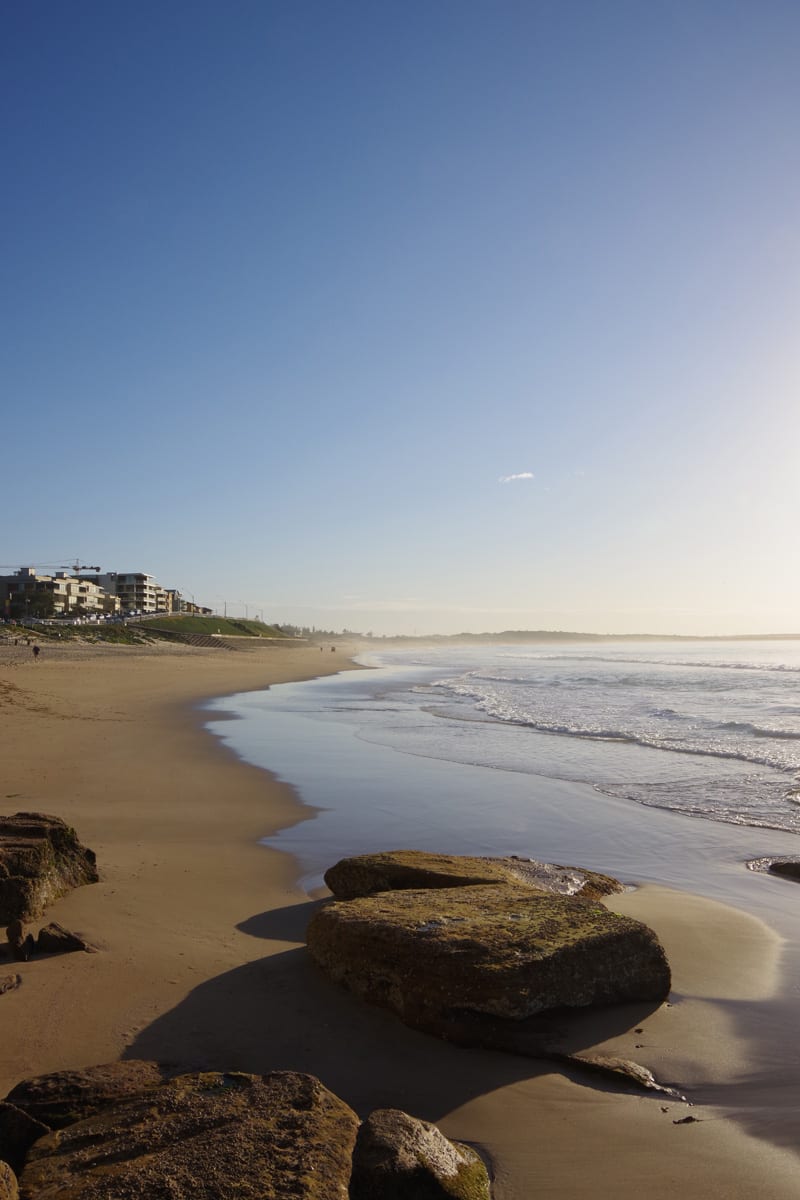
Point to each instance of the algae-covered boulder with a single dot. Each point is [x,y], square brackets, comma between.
[128,1130]
[62,1097]
[207,1136]
[502,952]
[386,871]
[398,1157]
[40,859]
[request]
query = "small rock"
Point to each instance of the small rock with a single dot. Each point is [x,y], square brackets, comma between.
[22,946]
[788,868]
[55,939]
[621,1069]
[8,1182]
[398,1157]
[9,982]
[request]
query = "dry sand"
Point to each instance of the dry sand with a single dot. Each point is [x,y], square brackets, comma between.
[201,960]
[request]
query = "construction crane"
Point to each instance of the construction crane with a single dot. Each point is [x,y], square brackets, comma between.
[79,566]
[74,567]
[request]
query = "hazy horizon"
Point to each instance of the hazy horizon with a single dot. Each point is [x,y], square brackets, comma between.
[409,317]
[575,635]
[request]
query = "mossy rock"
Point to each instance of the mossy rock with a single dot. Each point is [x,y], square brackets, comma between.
[399,1157]
[504,952]
[41,859]
[397,870]
[207,1136]
[61,1098]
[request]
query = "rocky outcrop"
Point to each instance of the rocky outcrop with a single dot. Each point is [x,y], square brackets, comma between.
[64,1097]
[503,952]
[8,1182]
[40,859]
[129,1129]
[207,1136]
[393,870]
[398,1157]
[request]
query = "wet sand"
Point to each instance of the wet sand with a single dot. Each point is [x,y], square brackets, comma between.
[200,930]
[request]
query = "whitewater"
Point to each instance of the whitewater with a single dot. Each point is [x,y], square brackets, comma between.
[630,757]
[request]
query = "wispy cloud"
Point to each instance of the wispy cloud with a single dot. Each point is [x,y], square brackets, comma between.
[512,478]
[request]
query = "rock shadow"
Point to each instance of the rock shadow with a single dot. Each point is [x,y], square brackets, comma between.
[286,924]
[281,1013]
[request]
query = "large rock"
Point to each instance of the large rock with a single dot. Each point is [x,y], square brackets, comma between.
[63,1097]
[502,952]
[365,874]
[40,859]
[398,1157]
[206,1136]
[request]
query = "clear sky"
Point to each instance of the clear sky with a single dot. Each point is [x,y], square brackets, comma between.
[428,315]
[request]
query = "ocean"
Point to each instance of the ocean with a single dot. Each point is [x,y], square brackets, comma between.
[672,762]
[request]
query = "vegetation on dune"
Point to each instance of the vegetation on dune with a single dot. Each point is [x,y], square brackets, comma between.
[227,626]
[118,634]
[144,632]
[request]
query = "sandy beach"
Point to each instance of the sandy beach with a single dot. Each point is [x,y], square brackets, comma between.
[201,964]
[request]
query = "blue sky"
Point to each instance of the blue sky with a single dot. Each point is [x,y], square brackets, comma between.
[292,289]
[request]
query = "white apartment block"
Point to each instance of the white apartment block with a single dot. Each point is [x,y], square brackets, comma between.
[138,592]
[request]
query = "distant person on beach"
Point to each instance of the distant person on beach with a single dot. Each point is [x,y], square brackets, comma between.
[36,650]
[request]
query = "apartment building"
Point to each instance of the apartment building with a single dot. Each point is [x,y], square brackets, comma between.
[28,594]
[139,592]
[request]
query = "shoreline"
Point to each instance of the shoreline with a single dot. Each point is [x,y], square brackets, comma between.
[112,741]
[200,928]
